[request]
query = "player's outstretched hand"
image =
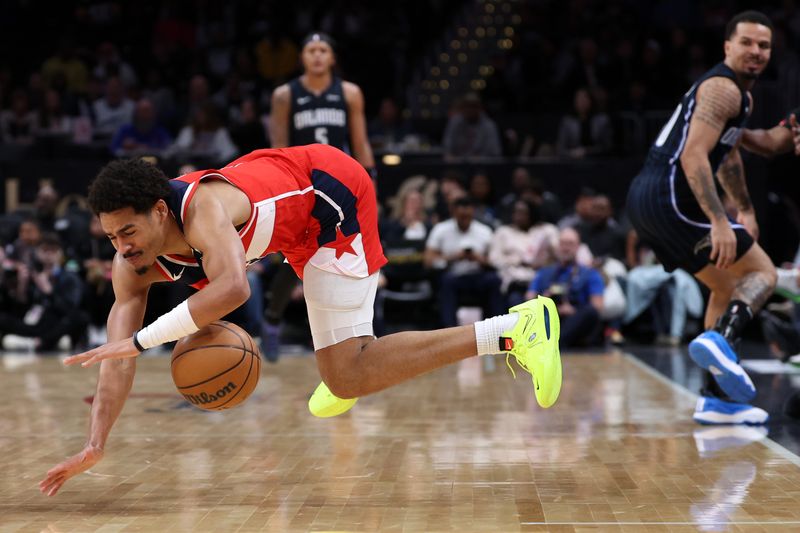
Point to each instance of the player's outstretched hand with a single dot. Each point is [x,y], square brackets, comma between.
[112,350]
[59,474]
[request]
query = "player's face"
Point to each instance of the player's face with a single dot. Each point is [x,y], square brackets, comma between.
[747,51]
[317,57]
[137,237]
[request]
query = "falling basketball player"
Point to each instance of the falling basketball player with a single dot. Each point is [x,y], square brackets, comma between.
[315,204]
[316,107]
[674,206]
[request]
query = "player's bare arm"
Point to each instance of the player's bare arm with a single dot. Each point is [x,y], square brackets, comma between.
[768,143]
[209,227]
[115,378]
[718,100]
[731,175]
[362,150]
[279,117]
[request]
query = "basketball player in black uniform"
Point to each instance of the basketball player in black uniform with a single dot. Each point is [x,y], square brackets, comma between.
[675,206]
[316,107]
[320,107]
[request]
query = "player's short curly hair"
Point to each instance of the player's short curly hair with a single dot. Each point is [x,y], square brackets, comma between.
[128,183]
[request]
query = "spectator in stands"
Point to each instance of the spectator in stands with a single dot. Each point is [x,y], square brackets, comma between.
[95,255]
[525,187]
[576,289]
[68,65]
[582,212]
[110,63]
[389,130]
[45,205]
[548,203]
[520,186]
[53,121]
[22,250]
[604,236]
[589,71]
[482,193]
[403,236]
[205,138]
[470,132]
[144,135]
[409,221]
[520,248]
[162,96]
[18,125]
[68,217]
[112,111]
[458,249]
[249,133]
[451,187]
[586,132]
[230,97]
[52,298]
[198,98]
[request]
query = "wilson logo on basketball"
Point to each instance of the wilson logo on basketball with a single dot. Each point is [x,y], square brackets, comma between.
[204,398]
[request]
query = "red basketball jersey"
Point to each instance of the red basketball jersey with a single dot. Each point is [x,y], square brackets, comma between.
[312,203]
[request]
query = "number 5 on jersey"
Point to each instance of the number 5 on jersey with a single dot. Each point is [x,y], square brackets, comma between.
[321,135]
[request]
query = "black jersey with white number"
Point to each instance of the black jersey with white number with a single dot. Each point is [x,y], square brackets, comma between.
[672,139]
[318,119]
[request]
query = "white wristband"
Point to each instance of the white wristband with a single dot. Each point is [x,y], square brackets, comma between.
[172,326]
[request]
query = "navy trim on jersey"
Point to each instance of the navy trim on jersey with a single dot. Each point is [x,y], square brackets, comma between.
[335,205]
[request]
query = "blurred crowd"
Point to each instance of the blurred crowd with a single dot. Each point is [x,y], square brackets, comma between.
[192,79]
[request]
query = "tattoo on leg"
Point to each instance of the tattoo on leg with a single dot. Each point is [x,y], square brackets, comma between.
[753,289]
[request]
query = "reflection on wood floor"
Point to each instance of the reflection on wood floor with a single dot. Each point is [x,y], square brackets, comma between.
[465,448]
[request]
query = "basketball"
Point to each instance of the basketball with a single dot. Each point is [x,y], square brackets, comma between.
[217,367]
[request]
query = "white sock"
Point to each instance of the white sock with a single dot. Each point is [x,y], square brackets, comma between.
[489,331]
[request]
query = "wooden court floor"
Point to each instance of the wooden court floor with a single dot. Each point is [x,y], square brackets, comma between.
[462,449]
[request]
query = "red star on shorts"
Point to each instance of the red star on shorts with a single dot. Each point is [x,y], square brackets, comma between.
[342,244]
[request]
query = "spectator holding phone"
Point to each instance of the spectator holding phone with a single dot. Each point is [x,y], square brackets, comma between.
[577,290]
[458,248]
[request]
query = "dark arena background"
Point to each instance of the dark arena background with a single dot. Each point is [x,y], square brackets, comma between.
[522,117]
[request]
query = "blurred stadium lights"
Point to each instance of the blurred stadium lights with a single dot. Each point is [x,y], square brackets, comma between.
[391,159]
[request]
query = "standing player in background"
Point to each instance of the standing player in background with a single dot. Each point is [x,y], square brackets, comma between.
[319,107]
[675,207]
[316,107]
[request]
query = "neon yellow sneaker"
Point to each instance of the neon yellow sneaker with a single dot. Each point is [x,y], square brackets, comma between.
[324,404]
[534,343]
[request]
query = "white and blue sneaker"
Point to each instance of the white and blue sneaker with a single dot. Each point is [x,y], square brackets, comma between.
[710,410]
[711,351]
